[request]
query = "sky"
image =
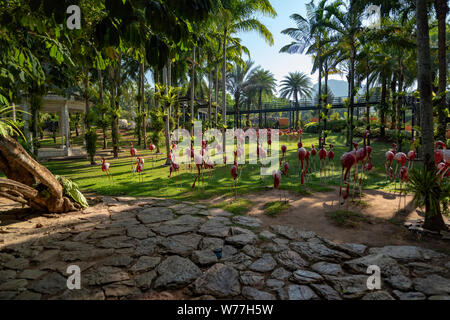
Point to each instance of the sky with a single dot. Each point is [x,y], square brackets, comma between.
[268,57]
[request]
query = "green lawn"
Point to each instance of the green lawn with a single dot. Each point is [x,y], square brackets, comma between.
[216,182]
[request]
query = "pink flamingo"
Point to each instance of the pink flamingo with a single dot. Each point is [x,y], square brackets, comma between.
[234,175]
[389,158]
[133,153]
[283,152]
[400,159]
[331,159]
[140,168]
[276,181]
[322,158]
[106,168]
[301,154]
[152,148]
[403,177]
[285,168]
[348,160]
[198,163]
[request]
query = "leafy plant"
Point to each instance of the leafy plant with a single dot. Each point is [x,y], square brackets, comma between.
[428,190]
[71,190]
[7,125]
[91,141]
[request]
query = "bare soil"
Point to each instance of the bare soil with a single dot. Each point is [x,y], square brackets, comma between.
[384,215]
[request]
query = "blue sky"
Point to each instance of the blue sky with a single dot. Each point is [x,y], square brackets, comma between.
[280,64]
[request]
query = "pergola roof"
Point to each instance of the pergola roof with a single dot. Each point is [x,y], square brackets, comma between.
[53,103]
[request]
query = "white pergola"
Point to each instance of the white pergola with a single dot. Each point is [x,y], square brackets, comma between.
[63,107]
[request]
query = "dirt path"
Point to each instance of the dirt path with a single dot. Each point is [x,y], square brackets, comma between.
[384,224]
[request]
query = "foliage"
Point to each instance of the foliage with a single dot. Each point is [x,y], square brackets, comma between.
[71,189]
[238,207]
[275,207]
[428,190]
[91,141]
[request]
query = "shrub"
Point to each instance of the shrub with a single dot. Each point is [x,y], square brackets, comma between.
[312,127]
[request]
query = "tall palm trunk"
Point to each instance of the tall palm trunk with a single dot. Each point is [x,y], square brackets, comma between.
[100,85]
[297,122]
[319,107]
[217,96]
[399,108]
[116,83]
[209,97]
[383,105]
[352,91]
[325,89]
[367,99]
[441,8]
[144,112]
[237,97]
[167,124]
[140,105]
[393,100]
[433,221]
[260,107]
[224,85]
[192,91]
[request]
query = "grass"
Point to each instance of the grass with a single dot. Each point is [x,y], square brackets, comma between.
[346,219]
[274,208]
[237,207]
[215,182]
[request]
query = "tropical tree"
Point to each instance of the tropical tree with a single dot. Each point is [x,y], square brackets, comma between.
[263,81]
[295,85]
[237,82]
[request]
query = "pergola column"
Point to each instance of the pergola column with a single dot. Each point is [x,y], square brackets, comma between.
[64,125]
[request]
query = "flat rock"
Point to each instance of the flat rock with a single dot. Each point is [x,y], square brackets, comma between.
[327,268]
[274,284]
[220,281]
[246,221]
[255,294]
[296,292]
[378,295]
[175,272]
[119,242]
[116,290]
[242,239]
[214,228]
[216,212]
[286,231]
[144,280]
[181,225]
[145,263]
[409,295]
[421,268]
[146,246]
[264,264]
[439,297]
[6,275]
[52,283]
[155,214]
[326,292]
[317,252]
[28,295]
[290,260]
[105,275]
[183,244]
[16,263]
[305,277]
[31,274]
[211,243]
[252,251]
[393,273]
[281,274]
[253,279]
[13,285]
[407,253]
[121,260]
[139,232]
[204,257]
[352,286]
[267,235]
[239,261]
[432,285]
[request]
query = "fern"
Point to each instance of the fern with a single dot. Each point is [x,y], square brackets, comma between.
[71,190]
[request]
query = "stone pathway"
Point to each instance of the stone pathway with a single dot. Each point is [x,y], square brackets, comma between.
[128,248]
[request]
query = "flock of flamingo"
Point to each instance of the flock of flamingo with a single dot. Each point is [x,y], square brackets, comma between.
[355,163]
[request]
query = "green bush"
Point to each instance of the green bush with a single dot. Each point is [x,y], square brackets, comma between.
[312,127]
[91,142]
[336,126]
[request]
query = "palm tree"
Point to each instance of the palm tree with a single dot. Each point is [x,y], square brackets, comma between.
[263,81]
[433,221]
[441,9]
[237,82]
[294,85]
[309,35]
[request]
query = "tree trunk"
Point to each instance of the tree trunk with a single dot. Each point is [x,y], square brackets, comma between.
[23,173]
[217,95]
[441,15]
[192,92]
[100,88]
[352,94]
[297,122]
[325,120]
[319,107]
[144,112]
[432,221]
[139,104]
[383,106]
[210,97]
[393,100]
[399,108]
[224,86]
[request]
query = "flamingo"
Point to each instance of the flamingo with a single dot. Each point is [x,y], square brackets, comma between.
[199,163]
[133,153]
[285,169]
[348,160]
[276,181]
[301,154]
[152,148]
[140,168]
[400,159]
[331,159]
[439,153]
[322,158]
[105,168]
[283,152]
[234,171]
[361,156]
